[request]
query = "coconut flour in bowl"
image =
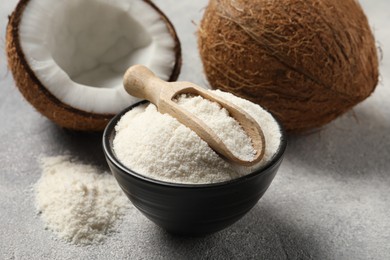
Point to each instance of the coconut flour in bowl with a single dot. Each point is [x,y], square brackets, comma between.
[157,146]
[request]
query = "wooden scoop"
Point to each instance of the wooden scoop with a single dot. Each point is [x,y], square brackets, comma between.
[140,82]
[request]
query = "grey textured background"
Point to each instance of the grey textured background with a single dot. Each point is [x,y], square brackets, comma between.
[330,199]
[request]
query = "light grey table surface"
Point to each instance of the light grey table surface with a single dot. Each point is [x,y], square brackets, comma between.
[329,200]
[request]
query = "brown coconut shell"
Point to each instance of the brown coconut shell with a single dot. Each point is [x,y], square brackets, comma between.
[307,61]
[46,103]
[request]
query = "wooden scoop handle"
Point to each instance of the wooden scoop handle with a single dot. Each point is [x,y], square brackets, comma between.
[142,83]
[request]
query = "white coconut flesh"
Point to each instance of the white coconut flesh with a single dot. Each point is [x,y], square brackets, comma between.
[80,49]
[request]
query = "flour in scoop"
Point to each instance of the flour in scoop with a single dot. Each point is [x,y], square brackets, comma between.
[158,146]
[218,120]
[77,201]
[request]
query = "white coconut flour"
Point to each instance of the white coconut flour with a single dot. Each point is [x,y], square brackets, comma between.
[223,125]
[77,201]
[158,146]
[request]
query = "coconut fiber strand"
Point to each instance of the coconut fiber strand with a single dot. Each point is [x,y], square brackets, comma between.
[307,61]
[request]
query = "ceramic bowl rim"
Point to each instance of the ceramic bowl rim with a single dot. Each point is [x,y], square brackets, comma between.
[110,155]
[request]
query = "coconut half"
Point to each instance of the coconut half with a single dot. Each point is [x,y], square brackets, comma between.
[68,57]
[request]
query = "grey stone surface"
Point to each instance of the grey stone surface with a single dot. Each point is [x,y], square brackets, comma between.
[330,199]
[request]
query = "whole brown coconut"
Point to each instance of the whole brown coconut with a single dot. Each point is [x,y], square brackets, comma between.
[307,61]
[38,94]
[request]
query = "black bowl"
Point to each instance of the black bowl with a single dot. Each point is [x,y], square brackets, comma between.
[190,209]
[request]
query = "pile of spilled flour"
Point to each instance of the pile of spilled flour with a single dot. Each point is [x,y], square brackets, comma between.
[77,201]
[157,146]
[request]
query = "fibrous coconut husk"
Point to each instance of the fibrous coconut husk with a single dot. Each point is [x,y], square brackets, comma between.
[307,61]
